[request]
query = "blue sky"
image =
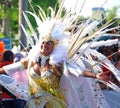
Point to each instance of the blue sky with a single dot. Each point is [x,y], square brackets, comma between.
[89,4]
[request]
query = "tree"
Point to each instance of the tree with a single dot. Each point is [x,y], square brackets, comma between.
[44,4]
[8,18]
[8,9]
[112,13]
[9,15]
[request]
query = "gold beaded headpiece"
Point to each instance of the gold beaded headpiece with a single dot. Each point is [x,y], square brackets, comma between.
[50,38]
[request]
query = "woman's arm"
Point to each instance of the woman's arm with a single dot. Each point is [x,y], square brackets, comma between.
[101,76]
[11,68]
[89,74]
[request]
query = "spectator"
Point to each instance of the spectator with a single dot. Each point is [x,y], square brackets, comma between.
[8,99]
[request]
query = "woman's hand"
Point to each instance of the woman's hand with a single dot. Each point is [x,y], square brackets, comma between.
[104,76]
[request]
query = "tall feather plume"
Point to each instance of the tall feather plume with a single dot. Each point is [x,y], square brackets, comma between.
[59,12]
[42,14]
[30,26]
[77,40]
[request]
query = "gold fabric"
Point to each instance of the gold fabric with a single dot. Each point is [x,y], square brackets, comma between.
[48,85]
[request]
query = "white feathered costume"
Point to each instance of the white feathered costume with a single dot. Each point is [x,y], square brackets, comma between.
[79,91]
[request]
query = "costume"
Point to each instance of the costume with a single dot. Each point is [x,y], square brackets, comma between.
[70,89]
[43,88]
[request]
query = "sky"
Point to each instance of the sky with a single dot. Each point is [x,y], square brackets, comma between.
[89,4]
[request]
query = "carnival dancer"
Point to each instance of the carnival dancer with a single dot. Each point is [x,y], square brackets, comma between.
[45,68]
[55,77]
[44,77]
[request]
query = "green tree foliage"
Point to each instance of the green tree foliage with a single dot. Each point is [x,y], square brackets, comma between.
[44,4]
[9,10]
[112,15]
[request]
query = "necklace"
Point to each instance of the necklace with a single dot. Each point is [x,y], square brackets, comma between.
[42,60]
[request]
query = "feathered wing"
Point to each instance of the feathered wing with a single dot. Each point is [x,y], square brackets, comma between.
[84,34]
[15,85]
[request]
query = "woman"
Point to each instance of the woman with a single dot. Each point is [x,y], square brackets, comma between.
[44,77]
[53,80]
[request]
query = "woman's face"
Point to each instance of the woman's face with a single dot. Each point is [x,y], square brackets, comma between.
[46,48]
